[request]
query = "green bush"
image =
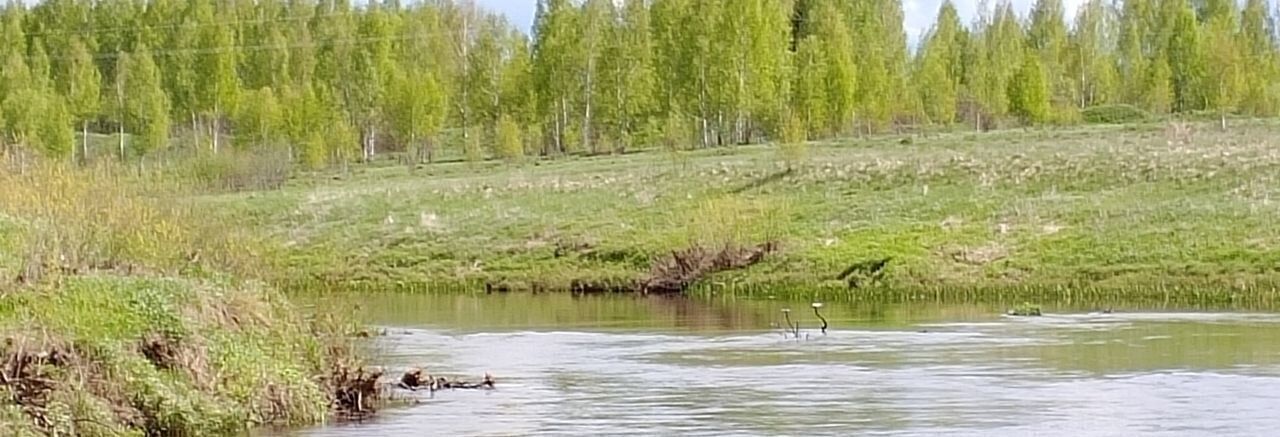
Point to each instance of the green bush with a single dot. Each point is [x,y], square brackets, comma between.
[265,169]
[1114,114]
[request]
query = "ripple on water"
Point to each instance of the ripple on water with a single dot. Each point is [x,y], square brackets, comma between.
[1076,375]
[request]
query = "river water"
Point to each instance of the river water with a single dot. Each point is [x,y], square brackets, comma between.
[658,366]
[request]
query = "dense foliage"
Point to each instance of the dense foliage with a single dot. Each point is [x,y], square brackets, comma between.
[329,81]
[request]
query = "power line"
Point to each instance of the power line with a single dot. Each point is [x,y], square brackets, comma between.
[405,36]
[255,48]
[353,13]
[175,25]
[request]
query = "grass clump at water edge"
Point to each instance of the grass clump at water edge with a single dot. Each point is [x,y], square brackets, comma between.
[121,314]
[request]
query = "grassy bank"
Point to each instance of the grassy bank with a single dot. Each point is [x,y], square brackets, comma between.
[123,312]
[1139,209]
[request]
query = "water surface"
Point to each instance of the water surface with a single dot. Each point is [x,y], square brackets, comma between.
[654,366]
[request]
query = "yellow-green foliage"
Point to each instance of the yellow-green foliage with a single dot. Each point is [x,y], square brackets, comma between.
[510,142]
[674,135]
[471,148]
[730,221]
[792,144]
[80,220]
[313,152]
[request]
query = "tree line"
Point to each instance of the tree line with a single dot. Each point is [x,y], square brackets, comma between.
[331,81]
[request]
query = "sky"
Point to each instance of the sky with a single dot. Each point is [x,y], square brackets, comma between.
[520,12]
[918,14]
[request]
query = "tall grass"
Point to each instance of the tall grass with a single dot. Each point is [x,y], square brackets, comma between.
[125,310]
[70,220]
[234,170]
[730,221]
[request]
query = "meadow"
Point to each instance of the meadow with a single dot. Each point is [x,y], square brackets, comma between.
[1154,211]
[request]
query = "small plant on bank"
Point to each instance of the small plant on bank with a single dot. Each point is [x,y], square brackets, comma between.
[1026,310]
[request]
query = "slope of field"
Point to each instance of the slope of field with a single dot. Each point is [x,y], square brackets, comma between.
[1150,208]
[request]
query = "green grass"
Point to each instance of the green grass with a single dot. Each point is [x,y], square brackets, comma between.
[123,312]
[1149,207]
[237,358]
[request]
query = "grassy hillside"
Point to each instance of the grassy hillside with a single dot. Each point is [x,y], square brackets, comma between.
[122,313]
[1140,209]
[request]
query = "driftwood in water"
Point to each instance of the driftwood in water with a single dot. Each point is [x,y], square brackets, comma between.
[413,379]
[417,379]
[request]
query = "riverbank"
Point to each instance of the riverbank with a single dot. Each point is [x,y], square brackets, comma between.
[1152,210]
[121,313]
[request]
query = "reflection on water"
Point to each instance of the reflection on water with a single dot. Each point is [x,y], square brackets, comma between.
[625,365]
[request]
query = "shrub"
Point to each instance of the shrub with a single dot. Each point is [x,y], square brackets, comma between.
[1114,114]
[263,169]
[510,142]
[793,147]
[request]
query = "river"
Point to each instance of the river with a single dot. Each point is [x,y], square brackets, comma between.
[661,366]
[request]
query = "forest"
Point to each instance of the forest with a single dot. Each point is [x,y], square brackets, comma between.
[331,82]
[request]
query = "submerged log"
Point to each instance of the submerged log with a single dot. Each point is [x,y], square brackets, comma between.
[414,379]
[417,379]
[486,383]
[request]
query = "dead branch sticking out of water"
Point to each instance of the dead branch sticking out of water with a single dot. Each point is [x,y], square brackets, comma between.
[355,391]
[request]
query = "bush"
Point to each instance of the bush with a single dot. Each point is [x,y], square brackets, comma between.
[1066,116]
[510,142]
[793,147]
[1114,114]
[265,169]
[471,148]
